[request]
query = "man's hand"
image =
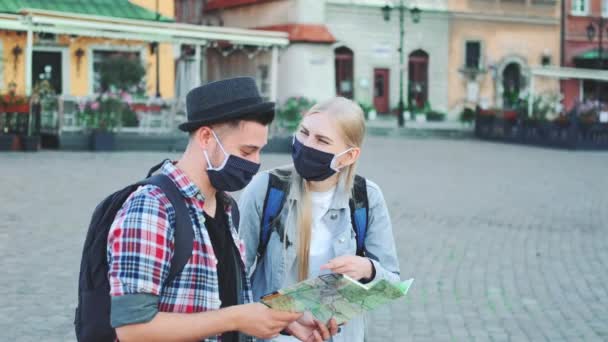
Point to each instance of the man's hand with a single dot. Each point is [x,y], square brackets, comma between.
[308,329]
[258,320]
[353,266]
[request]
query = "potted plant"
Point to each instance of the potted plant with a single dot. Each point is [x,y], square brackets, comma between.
[467,116]
[290,114]
[367,109]
[12,107]
[99,116]
[435,116]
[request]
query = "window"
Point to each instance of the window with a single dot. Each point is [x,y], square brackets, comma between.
[473,54]
[99,56]
[580,7]
[605,8]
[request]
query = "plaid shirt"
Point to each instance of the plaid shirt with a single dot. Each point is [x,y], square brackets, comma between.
[140,248]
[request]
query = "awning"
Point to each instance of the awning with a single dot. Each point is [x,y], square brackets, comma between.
[130,29]
[570,73]
[593,54]
[563,73]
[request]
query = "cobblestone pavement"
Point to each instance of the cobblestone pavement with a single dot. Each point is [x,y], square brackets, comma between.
[506,243]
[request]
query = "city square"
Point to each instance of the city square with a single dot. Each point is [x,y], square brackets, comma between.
[506,243]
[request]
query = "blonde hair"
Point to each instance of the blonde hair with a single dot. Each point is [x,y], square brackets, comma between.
[348,117]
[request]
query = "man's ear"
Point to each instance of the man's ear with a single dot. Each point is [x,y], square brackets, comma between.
[202,136]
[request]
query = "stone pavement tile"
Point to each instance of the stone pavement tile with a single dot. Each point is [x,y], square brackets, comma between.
[500,236]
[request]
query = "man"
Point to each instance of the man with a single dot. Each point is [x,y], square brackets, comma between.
[210,299]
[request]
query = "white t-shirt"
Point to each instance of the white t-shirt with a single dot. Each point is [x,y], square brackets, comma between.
[320,243]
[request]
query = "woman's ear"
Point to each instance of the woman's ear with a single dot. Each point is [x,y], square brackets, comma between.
[348,158]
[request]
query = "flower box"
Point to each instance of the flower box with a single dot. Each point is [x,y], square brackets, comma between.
[16,108]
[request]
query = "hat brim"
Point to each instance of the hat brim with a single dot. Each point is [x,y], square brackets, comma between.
[239,114]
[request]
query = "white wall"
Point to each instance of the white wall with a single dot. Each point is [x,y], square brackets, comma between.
[306,70]
[375,44]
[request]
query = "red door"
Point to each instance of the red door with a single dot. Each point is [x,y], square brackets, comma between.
[381,90]
[419,78]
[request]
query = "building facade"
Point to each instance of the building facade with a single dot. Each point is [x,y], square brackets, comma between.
[581,48]
[345,47]
[493,45]
[71,61]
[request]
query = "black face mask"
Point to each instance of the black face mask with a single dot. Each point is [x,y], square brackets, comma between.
[312,164]
[234,173]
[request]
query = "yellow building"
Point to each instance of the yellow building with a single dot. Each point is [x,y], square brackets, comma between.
[493,46]
[66,44]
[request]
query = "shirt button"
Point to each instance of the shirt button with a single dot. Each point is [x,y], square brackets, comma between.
[334,216]
[341,240]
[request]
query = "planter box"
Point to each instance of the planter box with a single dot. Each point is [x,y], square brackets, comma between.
[30,143]
[7,141]
[20,108]
[102,141]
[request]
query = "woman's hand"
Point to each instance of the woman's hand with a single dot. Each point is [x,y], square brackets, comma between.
[353,266]
[308,329]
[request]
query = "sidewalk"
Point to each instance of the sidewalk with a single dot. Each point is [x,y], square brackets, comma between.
[444,129]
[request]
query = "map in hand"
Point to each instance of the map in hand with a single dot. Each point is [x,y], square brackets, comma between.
[336,296]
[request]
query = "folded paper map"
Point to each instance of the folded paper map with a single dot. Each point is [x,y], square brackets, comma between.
[336,296]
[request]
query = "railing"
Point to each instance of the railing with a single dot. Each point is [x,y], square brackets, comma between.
[568,132]
[60,115]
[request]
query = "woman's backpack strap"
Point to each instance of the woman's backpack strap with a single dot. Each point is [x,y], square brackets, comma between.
[276,194]
[359,211]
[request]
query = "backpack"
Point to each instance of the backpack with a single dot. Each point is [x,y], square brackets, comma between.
[275,198]
[92,319]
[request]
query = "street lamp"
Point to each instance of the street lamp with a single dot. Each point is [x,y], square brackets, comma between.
[157,58]
[601,24]
[415,15]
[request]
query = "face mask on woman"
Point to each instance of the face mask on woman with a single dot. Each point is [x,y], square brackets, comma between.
[313,164]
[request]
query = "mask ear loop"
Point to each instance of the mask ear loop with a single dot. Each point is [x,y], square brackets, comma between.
[226,155]
[331,165]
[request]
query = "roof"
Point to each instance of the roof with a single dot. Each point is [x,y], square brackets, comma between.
[105,8]
[222,4]
[307,33]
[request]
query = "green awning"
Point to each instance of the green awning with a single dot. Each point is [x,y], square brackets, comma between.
[106,8]
[592,54]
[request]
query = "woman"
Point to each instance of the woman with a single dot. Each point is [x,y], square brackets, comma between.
[312,233]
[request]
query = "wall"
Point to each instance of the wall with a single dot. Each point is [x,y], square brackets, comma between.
[79,73]
[500,41]
[11,74]
[165,7]
[502,8]
[263,14]
[377,47]
[306,70]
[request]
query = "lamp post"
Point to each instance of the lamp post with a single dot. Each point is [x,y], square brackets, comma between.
[601,24]
[415,14]
[157,51]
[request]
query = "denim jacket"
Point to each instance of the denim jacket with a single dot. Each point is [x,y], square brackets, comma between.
[273,271]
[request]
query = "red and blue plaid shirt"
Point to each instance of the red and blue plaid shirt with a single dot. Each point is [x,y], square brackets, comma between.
[140,248]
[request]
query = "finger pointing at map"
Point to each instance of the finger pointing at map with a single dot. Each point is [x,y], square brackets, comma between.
[353,266]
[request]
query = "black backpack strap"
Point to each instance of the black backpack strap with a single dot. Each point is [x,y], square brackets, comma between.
[359,212]
[227,200]
[183,234]
[236,215]
[274,201]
